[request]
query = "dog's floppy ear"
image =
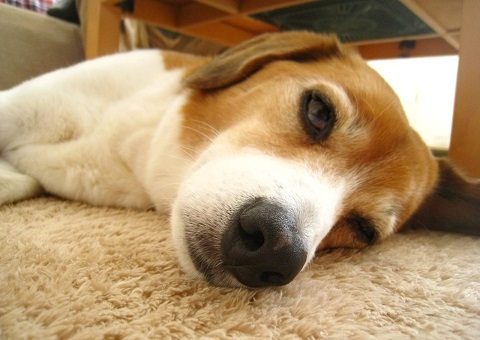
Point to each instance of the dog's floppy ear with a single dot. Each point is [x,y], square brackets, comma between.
[454,205]
[241,61]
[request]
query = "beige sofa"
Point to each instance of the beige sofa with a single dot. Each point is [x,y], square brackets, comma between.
[32,44]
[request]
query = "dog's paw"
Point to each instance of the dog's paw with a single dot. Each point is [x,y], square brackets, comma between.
[15,186]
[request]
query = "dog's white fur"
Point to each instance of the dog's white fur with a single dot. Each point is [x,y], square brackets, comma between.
[66,129]
[124,131]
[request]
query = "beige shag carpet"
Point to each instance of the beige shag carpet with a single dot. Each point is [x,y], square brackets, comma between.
[69,270]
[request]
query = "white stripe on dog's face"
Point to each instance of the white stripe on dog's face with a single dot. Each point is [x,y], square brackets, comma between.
[209,200]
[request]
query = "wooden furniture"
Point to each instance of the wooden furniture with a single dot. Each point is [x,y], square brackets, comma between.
[229,22]
[465,139]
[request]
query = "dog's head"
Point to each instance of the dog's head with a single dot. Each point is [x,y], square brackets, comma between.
[302,146]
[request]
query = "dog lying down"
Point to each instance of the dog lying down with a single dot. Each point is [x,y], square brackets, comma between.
[279,147]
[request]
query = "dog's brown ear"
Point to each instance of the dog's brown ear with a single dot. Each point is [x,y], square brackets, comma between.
[241,61]
[454,205]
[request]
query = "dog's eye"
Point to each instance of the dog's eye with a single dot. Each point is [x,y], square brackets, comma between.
[364,230]
[318,116]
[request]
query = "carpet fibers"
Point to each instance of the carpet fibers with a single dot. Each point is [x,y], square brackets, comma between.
[69,270]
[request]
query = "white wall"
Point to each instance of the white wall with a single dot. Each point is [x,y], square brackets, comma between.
[426,87]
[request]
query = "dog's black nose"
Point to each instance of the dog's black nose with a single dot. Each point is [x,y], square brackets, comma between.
[263,247]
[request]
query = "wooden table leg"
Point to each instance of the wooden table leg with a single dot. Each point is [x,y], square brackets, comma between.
[465,139]
[102,28]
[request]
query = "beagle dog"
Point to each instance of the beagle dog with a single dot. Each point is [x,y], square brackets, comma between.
[284,145]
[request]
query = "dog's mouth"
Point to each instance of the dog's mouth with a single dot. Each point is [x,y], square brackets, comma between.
[261,246]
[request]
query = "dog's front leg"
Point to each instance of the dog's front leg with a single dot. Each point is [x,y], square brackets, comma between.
[15,186]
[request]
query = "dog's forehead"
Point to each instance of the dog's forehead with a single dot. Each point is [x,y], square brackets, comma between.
[367,108]
[365,89]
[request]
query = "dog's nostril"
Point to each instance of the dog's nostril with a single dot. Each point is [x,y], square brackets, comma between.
[252,240]
[272,278]
[263,247]
[250,232]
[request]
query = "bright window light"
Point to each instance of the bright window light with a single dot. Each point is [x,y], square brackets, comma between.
[426,87]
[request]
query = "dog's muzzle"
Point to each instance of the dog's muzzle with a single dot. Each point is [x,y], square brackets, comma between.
[262,246]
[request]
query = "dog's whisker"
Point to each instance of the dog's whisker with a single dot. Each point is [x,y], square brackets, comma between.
[183,159]
[194,151]
[200,133]
[207,126]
